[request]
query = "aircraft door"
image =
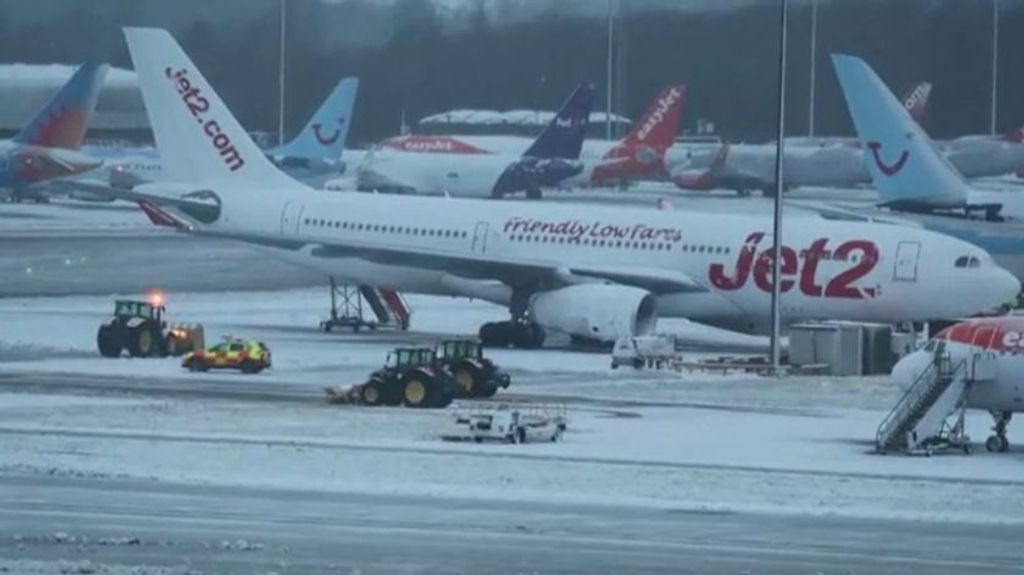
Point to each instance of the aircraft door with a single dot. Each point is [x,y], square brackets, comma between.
[290,218]
[480,237]
[907,254]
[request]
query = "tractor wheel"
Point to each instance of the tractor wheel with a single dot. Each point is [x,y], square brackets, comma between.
[109,340]
[418,391]
[467,380]
[486,389]
[141,342]
[197,365]
[372,393]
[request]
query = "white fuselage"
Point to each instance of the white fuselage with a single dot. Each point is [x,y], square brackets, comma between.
[752,166]
[1004,392]
[460,175]
[872,272]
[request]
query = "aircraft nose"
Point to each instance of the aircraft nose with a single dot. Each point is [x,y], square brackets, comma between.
[907,370]
[1006,286]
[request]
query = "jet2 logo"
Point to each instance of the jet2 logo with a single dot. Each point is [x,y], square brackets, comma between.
[887,169]
[198,105]
[657,116]
[328,140]
[792,276]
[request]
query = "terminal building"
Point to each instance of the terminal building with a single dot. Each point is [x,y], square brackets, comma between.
[120,114]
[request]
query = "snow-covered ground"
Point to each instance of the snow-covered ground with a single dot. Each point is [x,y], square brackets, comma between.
[689,441]
[71,216]
[793,445]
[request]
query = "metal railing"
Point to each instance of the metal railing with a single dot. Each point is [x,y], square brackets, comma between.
[941,368]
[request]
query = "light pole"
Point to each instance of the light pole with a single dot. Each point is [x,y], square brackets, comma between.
[776,351]
[280,79]
[995,66]
[610,69]
[814,62]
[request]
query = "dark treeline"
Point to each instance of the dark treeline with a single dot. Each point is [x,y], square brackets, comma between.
[420,58]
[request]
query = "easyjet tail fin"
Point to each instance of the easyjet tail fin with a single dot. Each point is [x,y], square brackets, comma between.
[563,136]
[62,123]
[916,101]
[196,134]
[658,126]
[907,170]
[325,135]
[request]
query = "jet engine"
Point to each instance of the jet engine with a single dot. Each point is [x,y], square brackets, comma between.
[602,312]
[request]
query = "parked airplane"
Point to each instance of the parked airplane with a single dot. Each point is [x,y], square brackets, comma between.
[809,161]
[640,155]
[589,271]
[908,171]
[46,147]
[312,156]
[550,160]
[997,341]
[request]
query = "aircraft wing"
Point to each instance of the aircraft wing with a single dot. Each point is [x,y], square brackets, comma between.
[510,271]
[852,213]
[191,209]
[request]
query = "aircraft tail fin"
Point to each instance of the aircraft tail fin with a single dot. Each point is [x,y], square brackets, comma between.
[904,165]
[196,134]
[325,134]
[63,121]
[916,101]
[1016,136]
[563,136]
[658,126]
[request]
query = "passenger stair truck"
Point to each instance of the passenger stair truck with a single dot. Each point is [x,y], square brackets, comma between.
[920,423]
[389,307]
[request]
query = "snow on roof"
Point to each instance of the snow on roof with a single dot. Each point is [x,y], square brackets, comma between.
[513,117]
[50,74]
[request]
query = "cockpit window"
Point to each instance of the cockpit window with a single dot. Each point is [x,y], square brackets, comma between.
[967,262]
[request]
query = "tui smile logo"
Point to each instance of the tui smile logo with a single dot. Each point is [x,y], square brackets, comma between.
[327,140]
[887,169]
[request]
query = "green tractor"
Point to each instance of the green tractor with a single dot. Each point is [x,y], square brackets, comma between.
[475,375]
[140,328]
[412,377]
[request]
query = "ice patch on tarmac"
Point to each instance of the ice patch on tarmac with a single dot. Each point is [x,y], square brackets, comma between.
[86,567]
[29,352]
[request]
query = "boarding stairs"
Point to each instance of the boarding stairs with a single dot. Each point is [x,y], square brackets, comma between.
[930,415]
[347,310]
[389,306]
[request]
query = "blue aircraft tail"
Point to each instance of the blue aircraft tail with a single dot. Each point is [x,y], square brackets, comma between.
[563,137]
[325,135]
[907,170]
[62,123]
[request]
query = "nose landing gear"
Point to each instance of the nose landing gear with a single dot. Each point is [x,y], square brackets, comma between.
[998,442]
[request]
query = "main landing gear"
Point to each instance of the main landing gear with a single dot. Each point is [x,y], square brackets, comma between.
[999,442]
[520,332]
